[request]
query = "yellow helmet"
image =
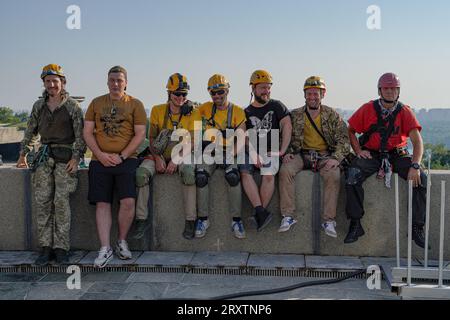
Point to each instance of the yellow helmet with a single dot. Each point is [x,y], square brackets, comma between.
[218,81]
[260,76]
[314,82]
[52,69]
[177,82]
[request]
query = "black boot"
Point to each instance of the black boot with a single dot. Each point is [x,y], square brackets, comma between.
[140,228]
[354,232]
[418,235]
[263,219]
[62,257]
[189,230]
[45,257]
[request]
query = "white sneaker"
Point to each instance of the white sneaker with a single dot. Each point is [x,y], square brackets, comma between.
[122,250]
[105,255]
[238,229]
[329,228]
[286,223]
[200,228]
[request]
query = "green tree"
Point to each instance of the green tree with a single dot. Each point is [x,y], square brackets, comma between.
[6,115]
[440,156]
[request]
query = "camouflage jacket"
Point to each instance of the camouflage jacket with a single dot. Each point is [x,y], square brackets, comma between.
[76,116]
[334,130]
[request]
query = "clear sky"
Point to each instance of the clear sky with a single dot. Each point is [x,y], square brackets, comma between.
[292,39]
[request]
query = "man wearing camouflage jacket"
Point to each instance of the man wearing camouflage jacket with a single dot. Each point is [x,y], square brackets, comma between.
[319,142]
[58,119]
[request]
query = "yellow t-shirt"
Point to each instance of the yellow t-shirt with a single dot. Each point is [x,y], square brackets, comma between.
[115,121]
[187,122]
[312,140]
[220,119]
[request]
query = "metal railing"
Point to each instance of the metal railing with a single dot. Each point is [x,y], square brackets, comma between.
[425,275]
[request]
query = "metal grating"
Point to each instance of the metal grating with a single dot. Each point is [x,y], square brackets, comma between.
[221,270]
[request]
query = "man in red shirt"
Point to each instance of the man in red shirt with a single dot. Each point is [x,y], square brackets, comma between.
[386,124]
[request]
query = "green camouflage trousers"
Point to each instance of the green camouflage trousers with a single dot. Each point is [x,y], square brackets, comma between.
[146,172]
[234,194]
[52,187]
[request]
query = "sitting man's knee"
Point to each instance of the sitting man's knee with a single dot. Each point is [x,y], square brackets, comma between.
[143,176]
[127,203]
[232,176]
[188,175]
[201,178]
[268,178]
[353,176]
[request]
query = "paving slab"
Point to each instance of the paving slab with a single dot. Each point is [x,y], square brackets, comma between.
[156,277]
[14,291]
[13,258]
[278,261]
[238,280]
[56,291]
[105,276]
[203,291]
[333,262]
[144,291]
[155,258]
[21,277]
[89,258]
[108,287]
[101,296]
[220,259]
[76,256]
[55,277]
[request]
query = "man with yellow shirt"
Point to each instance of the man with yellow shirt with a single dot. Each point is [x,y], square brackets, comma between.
[114,128]
[319,142]
[222,115]
[177,113]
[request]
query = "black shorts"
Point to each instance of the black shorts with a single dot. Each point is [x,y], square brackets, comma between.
[103,181]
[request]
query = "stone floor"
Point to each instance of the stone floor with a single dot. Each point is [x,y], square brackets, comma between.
[125,283]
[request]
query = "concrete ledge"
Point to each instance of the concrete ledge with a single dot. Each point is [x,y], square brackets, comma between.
[378,222]
[168,220]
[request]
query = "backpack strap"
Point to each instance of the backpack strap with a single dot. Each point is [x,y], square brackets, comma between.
[230,116]
[380,126]
[390,129]
[212,122]
[314,125]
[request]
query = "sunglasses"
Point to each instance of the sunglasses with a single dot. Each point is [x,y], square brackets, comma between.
[219,92]
[180,94]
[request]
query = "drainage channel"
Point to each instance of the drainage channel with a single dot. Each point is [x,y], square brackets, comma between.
[220,270]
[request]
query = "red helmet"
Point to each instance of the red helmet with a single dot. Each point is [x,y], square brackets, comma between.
[389,80]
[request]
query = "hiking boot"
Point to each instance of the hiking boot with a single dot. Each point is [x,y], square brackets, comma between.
[286,223]
[330,228]
[354,232]
[200,228]
[45,257]
[140,228]
[238,229]
[263,219]
[418,236]
[62,257]
[104,256]
[189,230]
[122,250]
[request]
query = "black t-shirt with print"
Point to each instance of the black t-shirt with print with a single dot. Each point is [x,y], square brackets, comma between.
[266,118]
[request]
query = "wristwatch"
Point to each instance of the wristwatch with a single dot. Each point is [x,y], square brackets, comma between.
[415,165]
[122,158]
